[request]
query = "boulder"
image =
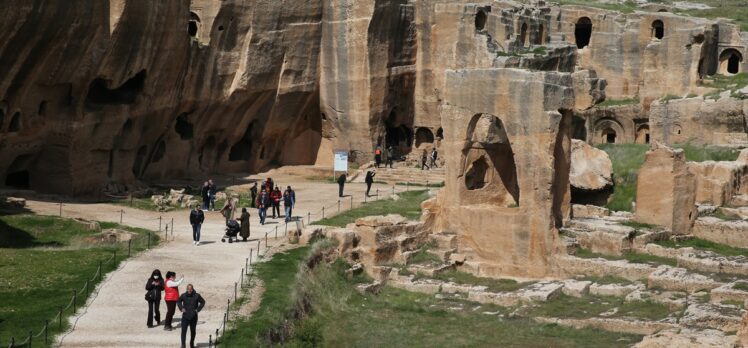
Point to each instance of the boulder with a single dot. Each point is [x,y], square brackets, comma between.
[591,168]
[687,338]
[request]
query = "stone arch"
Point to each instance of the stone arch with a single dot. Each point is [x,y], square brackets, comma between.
[488,161]
[642,134]
[424,136]
[15,123]
[729,61]
[608,131]
[540,39]
[523,35]
[583,32]
[193,26]
[658,29]
[480,20]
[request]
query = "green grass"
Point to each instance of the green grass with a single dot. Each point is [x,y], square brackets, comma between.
[338,316]
[732,9]
[627,159]
[593,306]
[42,261]
[703,244]
[618,102]
[732,83]
[494,285]
[409,206]
[742,286]
[423,256]
[639,225]
[632,257]
[670,97]
[608,279]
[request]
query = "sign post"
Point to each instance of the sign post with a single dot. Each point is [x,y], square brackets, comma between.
[341,162]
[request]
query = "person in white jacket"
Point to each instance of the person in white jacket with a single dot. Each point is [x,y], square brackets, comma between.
[171,296]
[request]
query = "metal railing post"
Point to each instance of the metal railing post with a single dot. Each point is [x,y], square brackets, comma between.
[129,247]
[235,285]
[338,206]
[250,255]
[60,322]
[323,212]
[60,208]
[46,332]
[121,215]
[74,300]
[276,231]
[351,201]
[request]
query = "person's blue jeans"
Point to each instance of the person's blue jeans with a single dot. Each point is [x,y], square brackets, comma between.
[196,232]
[192,324]
[213,202]
[206,203]
[263,215]
[288,213]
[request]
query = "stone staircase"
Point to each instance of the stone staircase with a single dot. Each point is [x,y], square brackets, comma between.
[402,174]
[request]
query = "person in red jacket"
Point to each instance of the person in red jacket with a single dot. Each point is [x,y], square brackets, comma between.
[171,295]
[275,198]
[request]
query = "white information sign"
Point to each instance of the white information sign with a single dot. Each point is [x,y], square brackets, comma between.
[341,161]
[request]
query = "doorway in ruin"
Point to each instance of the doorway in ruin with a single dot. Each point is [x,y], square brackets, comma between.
[729,61]
[642,134]
[489,168]
[480,20]
[398,133]
[523,35]
[609,136]
[541,35]
[440,133]
[424,136]
[193,26]
[658,29]
[583,32]
[18,175]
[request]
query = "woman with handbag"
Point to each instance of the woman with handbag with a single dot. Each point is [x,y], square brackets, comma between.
[153,287]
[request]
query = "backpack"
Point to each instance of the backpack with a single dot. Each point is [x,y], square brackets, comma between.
[378,152]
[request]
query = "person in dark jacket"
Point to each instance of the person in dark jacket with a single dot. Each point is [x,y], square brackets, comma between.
[263,201]
[289,200]
[196,220]
[369,180]
[341,183]
[190,303]
[253,192]
[212,189]
[390,156]
[205,194]
[244,220]
[275,199]
[154,286]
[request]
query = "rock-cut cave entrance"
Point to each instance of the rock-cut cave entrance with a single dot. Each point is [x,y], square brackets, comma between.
[480,20]
[398,134]
[100,94]
[658,29]
[729,61]
[609,136]
[193,26]
[424,136]
[583,32]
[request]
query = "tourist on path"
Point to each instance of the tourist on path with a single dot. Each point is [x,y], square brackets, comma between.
[434,155]
[369,180]
[424,160]
[205,194]
[378,156]
[269,185]
[263,200]
[289,200]
[212,195]
[341,183]
[197,217]
[244,220]
[171,295]
[154,285]
[190,303]
[276,197]
[390,156]
[253,193]
[229,208]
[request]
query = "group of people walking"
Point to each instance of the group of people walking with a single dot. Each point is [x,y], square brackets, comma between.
[190,303]
[271,197]
[386,154]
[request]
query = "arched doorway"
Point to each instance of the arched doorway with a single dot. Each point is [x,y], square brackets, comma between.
[609,136]
[523,35]
[540,39]
[193,27]
[729,61]
[642,134]
[480,20]
[424,136]
[658,29]
[583,32]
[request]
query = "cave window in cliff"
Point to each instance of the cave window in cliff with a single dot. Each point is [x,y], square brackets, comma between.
[523,35]
[609,136]
[583,32]
[541,35]
[729,61]
[42,108]
[424,136]
[480,20]
[15,123]
[642,134]
[2,118]
[184,128]
[19,179]
[100,94]
[440,133]
[242,150]
[658,29]
[399,137]
[476,175]
[194,25]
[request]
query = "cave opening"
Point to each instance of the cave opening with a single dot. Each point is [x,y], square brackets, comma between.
[729,61]
[583,32]
[424,136]
[523,35]
[19,179]
[541,35]
[193,25]
[642,134]
[440,133]
[242,150]
[658,29]
[609,135]
[2,118]
[480,20]
[42,108]
[476,175]
[15,123]
[100,94]
[184,128]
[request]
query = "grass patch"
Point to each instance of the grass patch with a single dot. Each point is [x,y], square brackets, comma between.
[139,203]
[494,285]
[624,7]
[703,244]
[423,256]
[699,153]
[43,260]
[632,257]
[618,102]
[721,214]
[338,316]
[608,279]
[639,225]
[742,286]
[409,206]
[593,306]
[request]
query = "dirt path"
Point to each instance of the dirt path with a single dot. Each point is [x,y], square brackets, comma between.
[116,316]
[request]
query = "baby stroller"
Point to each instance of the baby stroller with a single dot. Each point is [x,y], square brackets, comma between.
[232,229]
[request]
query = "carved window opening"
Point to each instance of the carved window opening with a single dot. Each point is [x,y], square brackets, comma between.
[583,32]
[658,29]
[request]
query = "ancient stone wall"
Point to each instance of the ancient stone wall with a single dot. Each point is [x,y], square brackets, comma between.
[699,120]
